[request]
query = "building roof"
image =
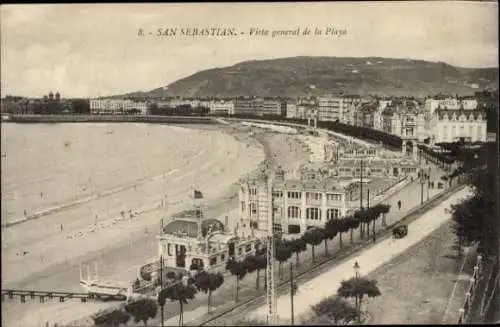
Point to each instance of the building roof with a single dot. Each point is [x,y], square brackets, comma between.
[222,238]
[441,113]
[368,108]
[320,184]
[189,227]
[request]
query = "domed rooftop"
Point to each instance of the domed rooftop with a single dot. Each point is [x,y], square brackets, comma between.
[190,226]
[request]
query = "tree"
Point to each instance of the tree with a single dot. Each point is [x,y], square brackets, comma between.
[142,310]
[239,270]
[384,209]
[283,253]
[353,224]
[475,218]
[113,318]
[313,237]
[357,288]
[298,245]
[331,229]
[343,227]
[80,106]
[363,216]
[337,309]
[208,282]
[374,213]
[255,263]
[178,292]
[378,214]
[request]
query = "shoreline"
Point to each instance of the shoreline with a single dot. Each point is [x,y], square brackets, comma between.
[222,197]
[226,203]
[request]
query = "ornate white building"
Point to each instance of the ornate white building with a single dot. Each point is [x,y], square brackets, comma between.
[405,119]
[453,125]
[195,243]
[299,204]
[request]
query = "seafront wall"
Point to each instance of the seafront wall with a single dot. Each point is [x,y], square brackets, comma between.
[109,119]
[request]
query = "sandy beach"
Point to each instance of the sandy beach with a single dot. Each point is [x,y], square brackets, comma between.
[125,245]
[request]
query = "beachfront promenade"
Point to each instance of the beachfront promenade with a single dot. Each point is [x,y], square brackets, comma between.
[409,195]
[314,291]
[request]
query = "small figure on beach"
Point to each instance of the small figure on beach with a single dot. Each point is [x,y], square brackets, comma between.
[25,213]
[62,228]
[41,195]
[399,204]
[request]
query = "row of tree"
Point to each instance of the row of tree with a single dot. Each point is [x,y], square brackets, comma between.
[208,282]
[476,218]
[182,110]
[145,308]
[335,309]
[362,219]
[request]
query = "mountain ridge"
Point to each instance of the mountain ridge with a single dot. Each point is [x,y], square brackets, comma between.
[306,75]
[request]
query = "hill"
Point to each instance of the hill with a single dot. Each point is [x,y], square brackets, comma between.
[300,76]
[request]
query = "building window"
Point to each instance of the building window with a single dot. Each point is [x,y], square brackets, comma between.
[293,212]
[169,249]
[253,191]
[248,248]
[240,250]
[313,213]
[222,257]
[332,214]
[313,197]
[277,194]
[253,208]
[213,261]
[294,195]
[333,197]
[243,206]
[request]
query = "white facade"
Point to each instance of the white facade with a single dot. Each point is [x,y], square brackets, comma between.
[340,108]
[330,108]
[291,110]
[449,103]
[116,106]
[299,204]
[222,107]
[451,125]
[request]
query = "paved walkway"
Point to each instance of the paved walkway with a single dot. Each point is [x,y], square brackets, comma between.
[410,198]
[314,291]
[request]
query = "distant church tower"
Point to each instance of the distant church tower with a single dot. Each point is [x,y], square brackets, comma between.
[58,96]
[51,95]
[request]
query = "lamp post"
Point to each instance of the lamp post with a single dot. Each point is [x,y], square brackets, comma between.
[368,197]
[293,291]
[422,182]
[356,274]
[361,186]
[161,287]
[356,269]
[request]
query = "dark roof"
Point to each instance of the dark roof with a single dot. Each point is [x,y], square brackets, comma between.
[190,226]
[368,108]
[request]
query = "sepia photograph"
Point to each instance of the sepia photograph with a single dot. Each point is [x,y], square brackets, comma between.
[249,164]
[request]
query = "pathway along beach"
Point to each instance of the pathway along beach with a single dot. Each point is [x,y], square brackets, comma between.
[124,246]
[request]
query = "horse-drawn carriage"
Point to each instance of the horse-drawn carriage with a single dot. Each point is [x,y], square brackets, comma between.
[400,231]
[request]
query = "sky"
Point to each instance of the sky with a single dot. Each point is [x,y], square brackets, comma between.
[90,50]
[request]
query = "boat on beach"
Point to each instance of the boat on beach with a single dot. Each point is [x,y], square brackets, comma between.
[102,289]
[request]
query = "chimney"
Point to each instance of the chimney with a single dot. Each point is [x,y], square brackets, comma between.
[226,223]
